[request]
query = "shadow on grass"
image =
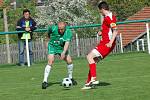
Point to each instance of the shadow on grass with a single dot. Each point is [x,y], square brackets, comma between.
[53,83]
[59,83]
[8,66]
[103,84]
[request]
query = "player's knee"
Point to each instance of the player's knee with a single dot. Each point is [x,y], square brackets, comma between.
[50,62]
[89,56]
[69,61]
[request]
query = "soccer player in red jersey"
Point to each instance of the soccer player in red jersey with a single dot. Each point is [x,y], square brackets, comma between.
[106,45]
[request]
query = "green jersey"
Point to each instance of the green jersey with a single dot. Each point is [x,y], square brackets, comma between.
[57,40]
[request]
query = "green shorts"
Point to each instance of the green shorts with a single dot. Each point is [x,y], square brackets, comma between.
[55,50]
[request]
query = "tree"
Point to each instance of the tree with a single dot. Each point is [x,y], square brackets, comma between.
[71,11]
[74,12]
[15,14]
[124,8]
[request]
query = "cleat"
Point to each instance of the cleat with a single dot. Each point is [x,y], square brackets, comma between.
[74,82]
[95,82]
[90,85]
[86,87]
[44,85]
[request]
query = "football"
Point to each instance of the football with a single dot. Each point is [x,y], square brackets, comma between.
[66,83]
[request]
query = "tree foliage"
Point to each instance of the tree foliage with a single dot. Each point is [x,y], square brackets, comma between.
[13,15]
[74,12]
[71,11]
[124,8]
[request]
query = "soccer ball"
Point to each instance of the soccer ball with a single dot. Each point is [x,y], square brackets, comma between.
[66,83]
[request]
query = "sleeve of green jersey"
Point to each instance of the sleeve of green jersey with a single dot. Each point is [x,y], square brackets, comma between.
[68,35]
[49,30]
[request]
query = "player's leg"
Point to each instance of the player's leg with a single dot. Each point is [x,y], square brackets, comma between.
[70,68]
[47,71]
[92,58]
[51,53]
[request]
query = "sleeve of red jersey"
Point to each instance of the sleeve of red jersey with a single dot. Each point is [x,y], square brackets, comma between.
[112,22]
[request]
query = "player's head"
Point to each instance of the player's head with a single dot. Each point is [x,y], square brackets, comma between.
[103,7]
[61,27]
[26,13]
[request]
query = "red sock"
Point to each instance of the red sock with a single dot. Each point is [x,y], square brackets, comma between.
[89,77]
[93,69]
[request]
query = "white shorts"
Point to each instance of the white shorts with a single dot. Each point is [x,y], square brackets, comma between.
[96,53]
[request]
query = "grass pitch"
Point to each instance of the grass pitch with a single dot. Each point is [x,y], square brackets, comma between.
[123,77]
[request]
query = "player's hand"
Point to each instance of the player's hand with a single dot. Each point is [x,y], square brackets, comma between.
[99,33]
[62,55]
[51,23]
[109,44]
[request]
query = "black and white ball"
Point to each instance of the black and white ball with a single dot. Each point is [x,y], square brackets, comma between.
[66,83]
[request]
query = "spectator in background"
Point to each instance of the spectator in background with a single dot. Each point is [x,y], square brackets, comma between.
[26,23]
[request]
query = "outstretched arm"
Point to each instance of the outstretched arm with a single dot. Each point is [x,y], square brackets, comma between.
[66,46]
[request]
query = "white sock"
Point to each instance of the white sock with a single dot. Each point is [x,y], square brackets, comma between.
[46,72]
[70,70]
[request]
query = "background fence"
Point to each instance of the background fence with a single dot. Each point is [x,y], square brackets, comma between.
[79,46]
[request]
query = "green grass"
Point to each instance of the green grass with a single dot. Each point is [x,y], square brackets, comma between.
[123,77]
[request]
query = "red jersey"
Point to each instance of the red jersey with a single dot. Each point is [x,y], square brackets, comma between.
[108,24]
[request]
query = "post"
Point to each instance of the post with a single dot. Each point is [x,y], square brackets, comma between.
[137,45]
[121,46]
[7,36]
[131,46]
[77,45]
[97,38]
[143,44]
[27,51]
[148,40]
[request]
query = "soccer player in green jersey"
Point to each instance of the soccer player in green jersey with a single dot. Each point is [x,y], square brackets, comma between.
[59,40]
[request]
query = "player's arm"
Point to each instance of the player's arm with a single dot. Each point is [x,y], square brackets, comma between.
[114,34]
[99,33]
[49,31]
[66,46]
[113,27]
[47,40]
[68,38]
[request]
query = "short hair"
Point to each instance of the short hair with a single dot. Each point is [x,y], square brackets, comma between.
[26,10]
[103,5]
